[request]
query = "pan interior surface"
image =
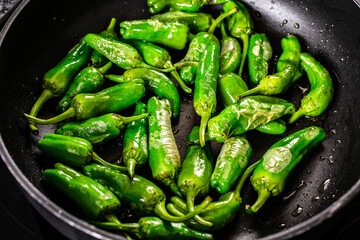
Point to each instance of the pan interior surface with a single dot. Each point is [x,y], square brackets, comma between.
[43,31]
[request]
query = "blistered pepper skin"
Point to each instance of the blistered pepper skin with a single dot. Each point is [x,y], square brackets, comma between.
[156,6]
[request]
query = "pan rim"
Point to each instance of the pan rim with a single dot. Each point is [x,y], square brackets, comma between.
[98,233]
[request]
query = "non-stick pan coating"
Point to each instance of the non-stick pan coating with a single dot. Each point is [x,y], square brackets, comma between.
[40,33]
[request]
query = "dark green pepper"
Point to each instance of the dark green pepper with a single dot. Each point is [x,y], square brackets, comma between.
[89,80]
[157,57]
[110,100]
[56,80]
[94,200]
[164,156]
[153,228]
[170,34]
[259,56]
[135,149]
[231,163]
[155,82]
[143,196]
[241,26]
[270,176]
[230,55]
[73,151]
[322,89]
[247,114]
[97,59]
[197,21]
[98,129]
[156,6]
[195,174]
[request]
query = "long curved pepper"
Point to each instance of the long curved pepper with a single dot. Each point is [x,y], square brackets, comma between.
[322,89]
[73,151]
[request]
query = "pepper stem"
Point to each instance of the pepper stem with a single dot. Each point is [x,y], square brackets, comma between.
[177,77]
[220,18]
[223,31]
[115,78]
[105,68]
[179,202]
[98,159]
[190,199]
[174,210]
[144,65]
[245,40]
[245,175]
[161,211]
[61,117]
[182,64]
[202,130]
[112,218]
[263,195]
[127,120]
[44,97]
[129,227]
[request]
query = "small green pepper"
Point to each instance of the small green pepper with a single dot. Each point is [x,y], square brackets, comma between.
[275,127]
[135,149]
[322,89]
[270,176]
[95,201]
[247,114]
[195,174]
[73,151]
[143,196]
[173,34]
[164,156]
[97,59]
[156,6]
[155,82]
[56,80]
[88,80]
[197,21]
[231,163]
[98,129]
[88,105]
[259,56]
[241,26]
[153,228]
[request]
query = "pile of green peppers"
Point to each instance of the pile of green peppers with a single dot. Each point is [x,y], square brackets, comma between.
[182,206]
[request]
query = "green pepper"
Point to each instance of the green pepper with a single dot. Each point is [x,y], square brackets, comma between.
[135,149]
[97,59]
[88,105]
[56,80]
[156,6]
[164,156]
[195,174]
[143,196]
[231,163]
[197,21]
[247,114]
[94,200]
[230,86]
[230,55]
[157,57]
[98,129]
[259,56]
[270,176]
[221,212]
[322,89]
[153,228]
[73,151]
[88,80]
[170,34]
[241,26]
[155,82]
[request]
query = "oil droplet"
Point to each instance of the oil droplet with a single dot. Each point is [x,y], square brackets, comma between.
[297,211]
[324,186]
[296,25]
[285,21]
[316,198]
[272,2]
[281,225]
[341,58]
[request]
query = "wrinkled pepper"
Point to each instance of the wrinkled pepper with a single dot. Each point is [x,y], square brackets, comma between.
[231,163]
[155,82]
[110,100]
[270,176]
[322,89]
[170,34]
[73,151]
[88,80]
[156,6]
[230,54]
[135,148]
[164,156]
[98,129]
[143,196]
[240,25]
[194,178]
[259,56]
[56,80]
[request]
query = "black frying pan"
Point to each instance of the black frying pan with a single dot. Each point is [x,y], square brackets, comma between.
[39,33]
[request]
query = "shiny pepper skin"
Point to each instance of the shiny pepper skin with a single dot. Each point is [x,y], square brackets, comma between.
[156,6]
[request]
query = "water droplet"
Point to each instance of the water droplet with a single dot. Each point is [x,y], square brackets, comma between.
[341,58]
[333,131]
[297,211]
[296,25]
[281,225]
[285,21]
[316,198]
[272,2]
[324,186]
